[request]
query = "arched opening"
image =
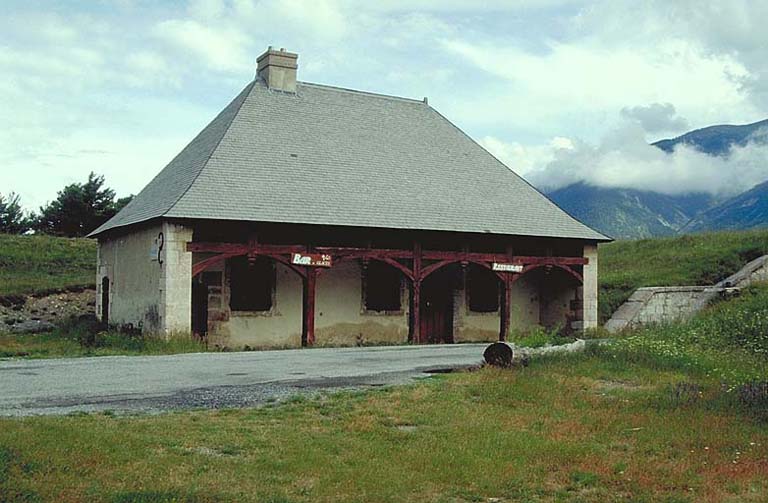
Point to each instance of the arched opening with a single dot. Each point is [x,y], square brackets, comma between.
[105,299]
[555,296]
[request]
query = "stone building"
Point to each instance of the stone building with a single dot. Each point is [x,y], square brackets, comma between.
[308,214]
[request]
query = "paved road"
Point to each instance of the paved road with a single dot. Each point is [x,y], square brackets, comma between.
[211,380]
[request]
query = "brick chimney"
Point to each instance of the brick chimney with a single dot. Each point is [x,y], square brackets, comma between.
[278,69]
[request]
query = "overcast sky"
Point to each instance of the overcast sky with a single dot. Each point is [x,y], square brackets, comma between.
[561,90]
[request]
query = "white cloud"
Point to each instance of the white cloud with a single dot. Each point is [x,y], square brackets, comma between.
[580,84]
[623,159]
[220,48]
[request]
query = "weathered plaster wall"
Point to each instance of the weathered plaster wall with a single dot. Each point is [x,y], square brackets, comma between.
[280,327]
[470,326]
[589,290]
[341,318]
[525,311]
[558,291]
[176,280]
[134,276]
[150,284]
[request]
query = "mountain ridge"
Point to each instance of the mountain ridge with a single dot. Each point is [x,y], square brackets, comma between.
[626,213]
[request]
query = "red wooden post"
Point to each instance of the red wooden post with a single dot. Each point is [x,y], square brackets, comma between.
[416,296]
[506,307]
[308,325]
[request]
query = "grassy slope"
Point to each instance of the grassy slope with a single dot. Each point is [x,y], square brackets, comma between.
[34,264]
[699,259]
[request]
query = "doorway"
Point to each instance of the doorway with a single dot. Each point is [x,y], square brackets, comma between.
[199,307]
[437,307]
[105,299]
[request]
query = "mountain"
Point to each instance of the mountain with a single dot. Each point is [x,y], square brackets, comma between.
[745,211]
[628,213]
[714,140]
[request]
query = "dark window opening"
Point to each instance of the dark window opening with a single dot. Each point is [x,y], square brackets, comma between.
[482,290]
[251,284]
[382,287]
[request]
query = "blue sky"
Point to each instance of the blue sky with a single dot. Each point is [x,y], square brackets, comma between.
[561,90]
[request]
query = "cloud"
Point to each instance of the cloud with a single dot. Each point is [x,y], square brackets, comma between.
[220,48]
[623,159]
[568,88]
[656,117]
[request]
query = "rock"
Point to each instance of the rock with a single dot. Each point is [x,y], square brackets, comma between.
[499,354]
[32,327]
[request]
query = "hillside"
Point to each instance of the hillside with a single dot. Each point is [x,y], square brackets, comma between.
[695,259]
[745,211]
[38,264]
[628,213]
[714,140]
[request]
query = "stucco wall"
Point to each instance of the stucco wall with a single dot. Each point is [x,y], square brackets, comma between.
[470,326]
[130,263]
[558,291]
[589,290]
[175,280]
[149,278]
[340,316]
[280,327]
[525,312]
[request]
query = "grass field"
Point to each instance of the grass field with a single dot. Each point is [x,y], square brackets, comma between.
[583,428]
[698,259]
[36,264]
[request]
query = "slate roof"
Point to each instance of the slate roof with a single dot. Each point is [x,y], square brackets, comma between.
[327,155]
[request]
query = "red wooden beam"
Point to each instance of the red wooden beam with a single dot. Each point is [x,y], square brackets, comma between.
[416,295]
[353,252]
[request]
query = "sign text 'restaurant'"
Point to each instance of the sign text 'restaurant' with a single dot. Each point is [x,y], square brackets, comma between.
[507,267]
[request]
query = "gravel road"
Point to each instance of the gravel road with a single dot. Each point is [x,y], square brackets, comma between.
[150,384]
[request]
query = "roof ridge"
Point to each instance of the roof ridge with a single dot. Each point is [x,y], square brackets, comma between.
[364,93]
[215,148]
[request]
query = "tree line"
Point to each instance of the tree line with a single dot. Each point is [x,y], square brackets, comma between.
[78,209]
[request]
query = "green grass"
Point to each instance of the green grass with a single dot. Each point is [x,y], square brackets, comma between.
[698,259]
[563,429]
[88,338]
[727,342]
[39,264]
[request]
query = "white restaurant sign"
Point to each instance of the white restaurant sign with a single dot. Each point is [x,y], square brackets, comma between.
[507,267]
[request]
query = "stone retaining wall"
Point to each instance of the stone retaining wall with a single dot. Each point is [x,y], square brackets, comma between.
[660,304]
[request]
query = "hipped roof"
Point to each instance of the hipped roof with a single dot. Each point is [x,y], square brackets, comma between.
[332,156]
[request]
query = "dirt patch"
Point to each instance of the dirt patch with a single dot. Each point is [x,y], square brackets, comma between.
[53,308]
[603,385]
